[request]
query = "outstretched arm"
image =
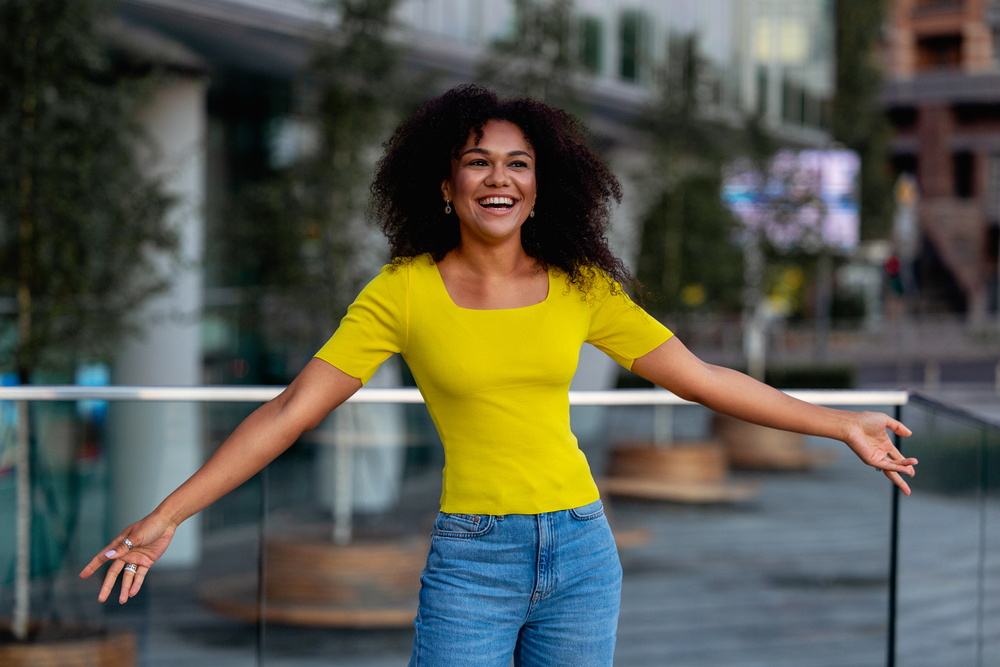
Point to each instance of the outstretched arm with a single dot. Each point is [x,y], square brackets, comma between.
[262,436]
[673,367]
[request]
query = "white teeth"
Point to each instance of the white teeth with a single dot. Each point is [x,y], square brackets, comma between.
[504,201]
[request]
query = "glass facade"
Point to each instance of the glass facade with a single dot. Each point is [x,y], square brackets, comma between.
[768,57]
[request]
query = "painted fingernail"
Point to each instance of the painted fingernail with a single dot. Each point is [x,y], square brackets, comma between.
[109,554]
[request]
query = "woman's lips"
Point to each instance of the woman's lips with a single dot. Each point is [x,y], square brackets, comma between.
[497,203]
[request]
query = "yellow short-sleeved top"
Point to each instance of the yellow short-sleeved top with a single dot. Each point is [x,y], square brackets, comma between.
[495,382]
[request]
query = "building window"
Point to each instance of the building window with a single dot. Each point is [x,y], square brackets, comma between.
[964,170]
[591,43]
[761,90]
[812,110]
[940,5]
[792,102]
[634,45]
[904,163]
[939,51]
[993,189]
[903,118]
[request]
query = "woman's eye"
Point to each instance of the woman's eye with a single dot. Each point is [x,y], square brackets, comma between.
[477,163]
[519,164]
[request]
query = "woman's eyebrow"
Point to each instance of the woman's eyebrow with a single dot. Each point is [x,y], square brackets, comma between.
[483,151]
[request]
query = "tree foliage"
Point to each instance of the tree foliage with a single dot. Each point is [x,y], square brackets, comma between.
[859,121]
[300,230]
[80,225]
[538,59]
[688,258]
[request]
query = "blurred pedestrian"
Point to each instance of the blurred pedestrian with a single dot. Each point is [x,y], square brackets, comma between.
[496,213]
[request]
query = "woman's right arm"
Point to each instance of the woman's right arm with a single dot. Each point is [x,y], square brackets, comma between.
[262,436]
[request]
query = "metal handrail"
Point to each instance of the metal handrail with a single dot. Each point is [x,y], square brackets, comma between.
[954,410]
[261,394]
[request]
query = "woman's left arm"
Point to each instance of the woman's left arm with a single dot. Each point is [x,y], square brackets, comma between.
[673,367]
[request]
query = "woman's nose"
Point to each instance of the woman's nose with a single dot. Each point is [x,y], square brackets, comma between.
[497,176]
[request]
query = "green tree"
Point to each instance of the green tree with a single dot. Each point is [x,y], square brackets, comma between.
[859,121]
[80,226]
[300,231]
[688,256]
[539,58]
[79,222]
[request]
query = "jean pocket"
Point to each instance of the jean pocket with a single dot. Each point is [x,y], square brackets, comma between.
[588,512]
[462,525]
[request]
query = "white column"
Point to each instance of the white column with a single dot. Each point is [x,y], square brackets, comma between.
[156,446]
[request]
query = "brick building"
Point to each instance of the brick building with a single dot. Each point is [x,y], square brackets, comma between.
[943,98]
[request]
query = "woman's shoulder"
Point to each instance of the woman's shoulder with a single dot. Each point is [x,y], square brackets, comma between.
[396,278]
[408,265]
[590,284]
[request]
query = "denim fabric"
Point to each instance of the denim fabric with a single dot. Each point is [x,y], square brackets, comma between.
[543,588]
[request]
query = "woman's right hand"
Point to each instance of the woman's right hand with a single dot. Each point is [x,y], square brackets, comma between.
[272,427]
[149,537]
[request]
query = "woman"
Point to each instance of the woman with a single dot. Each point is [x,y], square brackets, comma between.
[496,213]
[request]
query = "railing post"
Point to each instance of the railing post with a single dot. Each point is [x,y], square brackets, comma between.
[890,660]
[262,569]
[981,583]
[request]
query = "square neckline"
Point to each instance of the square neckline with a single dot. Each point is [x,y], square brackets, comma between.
[447,294]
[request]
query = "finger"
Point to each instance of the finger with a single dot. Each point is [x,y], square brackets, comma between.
[887,465]
[109,580]
[899,428]
[897,457]
[894,461]
[898,481]
[140,576]
[127,577]
[113,550]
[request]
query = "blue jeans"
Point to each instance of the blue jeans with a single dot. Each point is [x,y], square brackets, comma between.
[543,588]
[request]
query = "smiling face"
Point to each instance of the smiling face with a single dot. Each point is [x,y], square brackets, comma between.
[492,185]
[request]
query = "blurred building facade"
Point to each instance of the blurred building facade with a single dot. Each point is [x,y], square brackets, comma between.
[772,58]
[767,57]
[943,98]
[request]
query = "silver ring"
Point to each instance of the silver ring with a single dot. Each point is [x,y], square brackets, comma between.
[132,567]
[128,543]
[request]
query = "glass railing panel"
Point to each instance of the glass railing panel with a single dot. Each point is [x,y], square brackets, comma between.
[776,555]
[989,626]
[792,568]
[787,563]
[941,540]
[95,467]
[349,515]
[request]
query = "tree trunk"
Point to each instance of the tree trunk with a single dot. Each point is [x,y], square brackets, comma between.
[25,357]
[22,577]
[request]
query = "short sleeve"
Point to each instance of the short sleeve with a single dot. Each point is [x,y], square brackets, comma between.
[620,328]
[374,328]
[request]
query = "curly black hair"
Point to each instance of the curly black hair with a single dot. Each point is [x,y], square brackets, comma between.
[572,215]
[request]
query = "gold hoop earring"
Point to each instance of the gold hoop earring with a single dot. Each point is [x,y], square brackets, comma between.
[447,207]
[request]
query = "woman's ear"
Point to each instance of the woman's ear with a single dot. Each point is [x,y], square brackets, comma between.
[446,190]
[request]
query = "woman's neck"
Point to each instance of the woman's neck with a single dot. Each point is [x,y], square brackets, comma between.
[492,261]
[487,278]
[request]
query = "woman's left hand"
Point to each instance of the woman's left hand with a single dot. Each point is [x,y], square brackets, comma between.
[868,437]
